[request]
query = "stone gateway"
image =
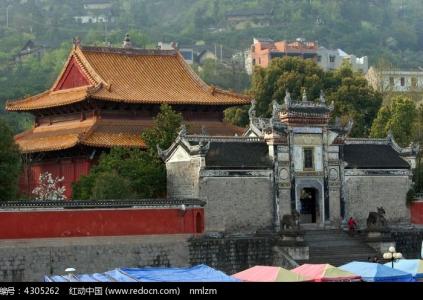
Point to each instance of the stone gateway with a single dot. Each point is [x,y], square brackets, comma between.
[297,160]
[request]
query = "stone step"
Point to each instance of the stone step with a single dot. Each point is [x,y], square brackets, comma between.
[314,253]
[336,247]
[333,242]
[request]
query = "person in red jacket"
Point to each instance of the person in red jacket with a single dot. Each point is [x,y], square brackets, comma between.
[352,225]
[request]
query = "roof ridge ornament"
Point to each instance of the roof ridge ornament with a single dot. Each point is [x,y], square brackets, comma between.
[276,108]
[127,41]
[322,97]
[252,110]
[287,98]
[183,131]
[305,96]
[76,41]
[349,126]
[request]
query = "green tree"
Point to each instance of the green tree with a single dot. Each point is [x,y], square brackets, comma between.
[165,129]
[10,164]
[288,73]
[112,186]
[399,118]
[350,92]
[237,115]
[353,98]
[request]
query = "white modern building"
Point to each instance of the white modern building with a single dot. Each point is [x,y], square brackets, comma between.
[395,80]
[331,59]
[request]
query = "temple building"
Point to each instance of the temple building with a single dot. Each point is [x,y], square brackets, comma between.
[104,97]
[295,160]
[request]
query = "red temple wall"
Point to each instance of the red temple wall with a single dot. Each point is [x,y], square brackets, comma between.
[70,169]
[416,209]
[72,77]
[99,222]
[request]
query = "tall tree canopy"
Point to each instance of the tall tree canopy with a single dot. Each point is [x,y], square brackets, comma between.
[352,96]
[400,118]
[10,163]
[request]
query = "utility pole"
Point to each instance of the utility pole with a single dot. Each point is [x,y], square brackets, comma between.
[221,52]
[105,31]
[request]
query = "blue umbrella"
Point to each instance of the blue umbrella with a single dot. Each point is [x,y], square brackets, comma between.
[200,273]
[413,266]
[376,272]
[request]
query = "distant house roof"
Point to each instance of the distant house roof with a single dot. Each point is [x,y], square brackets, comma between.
[263,40]
[238,155]
[371,156]
[249,13]
[30,47]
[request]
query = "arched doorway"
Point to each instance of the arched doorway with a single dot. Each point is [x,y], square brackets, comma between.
[309,210]
[309,202]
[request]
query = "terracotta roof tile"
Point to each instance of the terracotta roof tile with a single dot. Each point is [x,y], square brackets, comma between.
[133,76]
[52,137]
[49,99]
[117,133]
[105,133]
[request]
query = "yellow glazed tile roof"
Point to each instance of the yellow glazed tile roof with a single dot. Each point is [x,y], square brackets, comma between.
[52,137]
[132,76]
[105,133]
[117,133]
[48,99]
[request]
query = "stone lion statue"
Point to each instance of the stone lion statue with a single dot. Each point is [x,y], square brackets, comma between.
[291,221]
[376,220]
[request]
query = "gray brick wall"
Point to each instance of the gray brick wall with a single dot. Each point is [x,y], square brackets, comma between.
[30,260]
[365,193]
[408,242]
[231,255]
[237,204]
[182,178]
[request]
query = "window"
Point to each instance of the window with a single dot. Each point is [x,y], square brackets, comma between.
[308,158]
[332,58]
[402,81]
[319,58]
[391,81]
[414,82]
[254,61]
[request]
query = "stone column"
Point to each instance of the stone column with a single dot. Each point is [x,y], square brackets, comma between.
[284,201]
[335,205]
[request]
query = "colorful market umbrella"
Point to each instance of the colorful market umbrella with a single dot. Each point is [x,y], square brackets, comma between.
[413,266]
[374,272]
[325,272]
[269,274]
